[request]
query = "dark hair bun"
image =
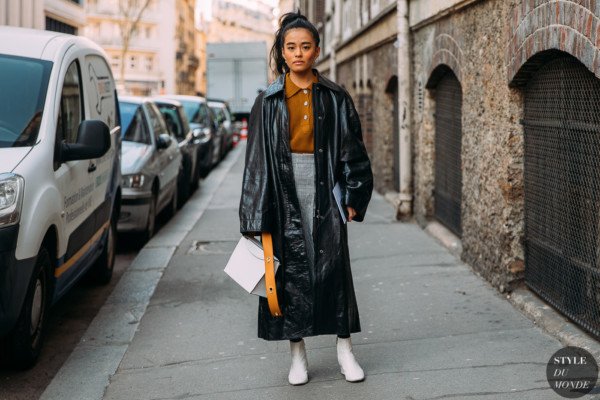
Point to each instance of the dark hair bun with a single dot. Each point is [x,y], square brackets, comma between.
[288,18]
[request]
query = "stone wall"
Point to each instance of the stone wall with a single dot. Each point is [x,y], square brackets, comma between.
[493,47]
[375,107]
[472,42]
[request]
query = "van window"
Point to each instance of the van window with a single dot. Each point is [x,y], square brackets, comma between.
[134,127]
[101,91]
[70,110]
[22,94]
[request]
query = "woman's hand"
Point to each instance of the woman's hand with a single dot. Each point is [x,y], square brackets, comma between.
[351,213]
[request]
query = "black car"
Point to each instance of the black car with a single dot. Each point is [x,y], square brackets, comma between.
[204,129]
[226,121]
[190,147]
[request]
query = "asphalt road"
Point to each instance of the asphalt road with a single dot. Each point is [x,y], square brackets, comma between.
[68,321]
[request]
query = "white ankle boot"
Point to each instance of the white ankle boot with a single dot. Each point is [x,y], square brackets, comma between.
[348,365]
[299,370]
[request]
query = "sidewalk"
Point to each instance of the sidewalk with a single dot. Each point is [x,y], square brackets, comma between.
[431,328]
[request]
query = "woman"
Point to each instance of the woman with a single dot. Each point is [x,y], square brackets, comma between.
[304,136]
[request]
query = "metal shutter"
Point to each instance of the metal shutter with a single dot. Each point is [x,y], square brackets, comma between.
[562,188]
[448,134]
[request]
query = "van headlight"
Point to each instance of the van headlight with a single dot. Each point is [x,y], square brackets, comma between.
[134,181]
[11,198]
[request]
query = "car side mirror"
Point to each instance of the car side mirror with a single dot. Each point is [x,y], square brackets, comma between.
[201,135]
[164,141]
[93,141]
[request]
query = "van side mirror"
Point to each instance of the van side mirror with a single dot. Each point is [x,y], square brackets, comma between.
[164,141]
[93,141]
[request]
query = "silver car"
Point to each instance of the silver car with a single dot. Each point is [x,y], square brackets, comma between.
[150,165]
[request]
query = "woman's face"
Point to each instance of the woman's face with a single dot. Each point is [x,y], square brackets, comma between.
[299,50]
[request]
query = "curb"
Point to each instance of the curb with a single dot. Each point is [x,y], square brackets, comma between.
[552,322]
[86,374]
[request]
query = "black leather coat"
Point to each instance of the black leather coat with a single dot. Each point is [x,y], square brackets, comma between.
[319,301]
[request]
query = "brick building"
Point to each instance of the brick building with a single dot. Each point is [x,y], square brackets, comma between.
[504,133]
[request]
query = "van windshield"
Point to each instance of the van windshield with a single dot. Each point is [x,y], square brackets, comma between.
[22,95]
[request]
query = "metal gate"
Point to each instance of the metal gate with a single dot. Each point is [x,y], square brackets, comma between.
[448,134]
[562,189]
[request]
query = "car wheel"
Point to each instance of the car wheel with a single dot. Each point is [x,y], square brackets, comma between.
[102,270]
[26,339]
[173,204]
[151,222]
[183,184]
[197,173]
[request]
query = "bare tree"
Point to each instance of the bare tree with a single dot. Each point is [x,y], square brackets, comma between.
[131,12]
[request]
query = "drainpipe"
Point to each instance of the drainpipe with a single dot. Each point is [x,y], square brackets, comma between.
[405,197]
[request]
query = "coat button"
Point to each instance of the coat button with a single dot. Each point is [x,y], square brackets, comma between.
[321,251]
[321,183]
[320,117]
[320,150]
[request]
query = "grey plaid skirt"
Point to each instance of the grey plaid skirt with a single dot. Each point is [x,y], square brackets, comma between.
[303,165]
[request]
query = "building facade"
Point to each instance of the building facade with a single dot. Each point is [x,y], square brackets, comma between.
[161,57]
[359,52]
[201,52]
[187,60]
[499,100]
[242,21]
[55,15]
[139,71]
[506,143]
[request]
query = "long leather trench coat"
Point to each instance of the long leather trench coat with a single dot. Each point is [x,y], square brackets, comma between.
[320,300]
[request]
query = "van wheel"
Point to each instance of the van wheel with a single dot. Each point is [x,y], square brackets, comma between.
[151,222]
[103,268]
[26,338]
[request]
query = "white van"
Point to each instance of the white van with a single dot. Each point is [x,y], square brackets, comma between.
[59,177]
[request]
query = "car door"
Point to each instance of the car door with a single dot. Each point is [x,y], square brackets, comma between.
[74,179]
[168,158]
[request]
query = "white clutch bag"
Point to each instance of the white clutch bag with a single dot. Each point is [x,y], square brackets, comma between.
[246,266]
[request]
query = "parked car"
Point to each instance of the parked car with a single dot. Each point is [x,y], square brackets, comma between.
[204,128]
[177,122]
[60,180]
[150,165]
[225,122]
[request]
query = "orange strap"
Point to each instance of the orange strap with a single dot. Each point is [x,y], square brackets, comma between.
[267,242]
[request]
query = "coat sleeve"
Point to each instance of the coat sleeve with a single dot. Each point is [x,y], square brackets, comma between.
[355,161]
[255,211]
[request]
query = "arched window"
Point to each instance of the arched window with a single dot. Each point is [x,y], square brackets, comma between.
[562,188]
[447,163]
[392,90]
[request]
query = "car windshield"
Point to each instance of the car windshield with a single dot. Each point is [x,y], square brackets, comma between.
[195,112]
[22,95]
[133,128]
[219,113]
